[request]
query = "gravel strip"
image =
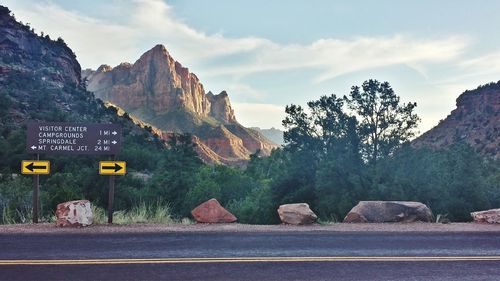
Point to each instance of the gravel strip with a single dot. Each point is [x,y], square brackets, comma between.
[337,227]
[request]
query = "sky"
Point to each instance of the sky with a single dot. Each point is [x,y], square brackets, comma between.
[269,53]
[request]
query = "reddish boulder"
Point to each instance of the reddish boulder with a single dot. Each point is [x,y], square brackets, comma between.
[74,213]
[488,216]
[212,212]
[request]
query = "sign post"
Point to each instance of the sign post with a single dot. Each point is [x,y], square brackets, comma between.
[111,198]
[36,189]
[72,138]
[112,168]
[111,194]
[35,168]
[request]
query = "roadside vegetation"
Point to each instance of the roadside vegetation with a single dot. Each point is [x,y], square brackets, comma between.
[338,150]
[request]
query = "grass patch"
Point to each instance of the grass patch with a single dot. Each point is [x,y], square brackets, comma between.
[140,213]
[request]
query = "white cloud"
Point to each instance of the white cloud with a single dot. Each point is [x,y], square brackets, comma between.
[99,41]
[483,65]
[336,57]
[156,19]
[244,90]
[259,115]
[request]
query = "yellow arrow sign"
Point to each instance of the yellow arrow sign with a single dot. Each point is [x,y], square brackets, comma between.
[35,167]
[112,168]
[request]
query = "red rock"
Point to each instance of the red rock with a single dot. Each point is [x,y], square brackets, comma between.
[76,213]
[212,212]
[488,216]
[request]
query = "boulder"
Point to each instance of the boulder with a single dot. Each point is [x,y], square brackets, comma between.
[212,212]
[74,213]
[488,216]
[389,211]
[296,214]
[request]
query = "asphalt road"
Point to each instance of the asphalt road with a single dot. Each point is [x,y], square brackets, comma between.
[251,256]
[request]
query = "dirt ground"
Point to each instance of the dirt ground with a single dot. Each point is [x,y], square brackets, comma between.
[235,227]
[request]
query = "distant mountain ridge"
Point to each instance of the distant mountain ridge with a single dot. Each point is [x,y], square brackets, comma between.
[476,121]
[160,91]
[273,134]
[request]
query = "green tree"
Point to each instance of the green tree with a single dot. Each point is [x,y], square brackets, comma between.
[176,174]
[257,207]
[223,183]
[311,139]
[384,123]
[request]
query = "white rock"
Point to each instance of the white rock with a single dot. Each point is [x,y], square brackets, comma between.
[488,216]
[74,213]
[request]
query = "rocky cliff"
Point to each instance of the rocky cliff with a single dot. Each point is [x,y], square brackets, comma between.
[476,120]
[22,50]
[160,91]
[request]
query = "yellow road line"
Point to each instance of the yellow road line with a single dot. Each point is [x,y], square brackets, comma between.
[249,260]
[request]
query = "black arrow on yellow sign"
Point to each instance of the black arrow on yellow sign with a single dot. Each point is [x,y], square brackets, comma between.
[112,168]
[35,167]
[116,167]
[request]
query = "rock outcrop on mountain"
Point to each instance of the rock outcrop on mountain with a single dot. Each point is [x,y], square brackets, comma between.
[476,120]
[161,92]
[24,51]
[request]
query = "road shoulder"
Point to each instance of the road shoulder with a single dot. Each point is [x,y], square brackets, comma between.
[337,227]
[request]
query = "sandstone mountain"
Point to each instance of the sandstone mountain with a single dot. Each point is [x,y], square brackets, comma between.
[161,92]
[476,120]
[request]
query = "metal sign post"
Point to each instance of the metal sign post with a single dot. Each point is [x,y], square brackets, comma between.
[111,168]
[36,196]
[35,167]
[111,195]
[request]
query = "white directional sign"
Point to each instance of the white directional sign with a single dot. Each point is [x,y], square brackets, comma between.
[73,138]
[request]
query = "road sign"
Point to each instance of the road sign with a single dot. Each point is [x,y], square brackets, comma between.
[35,167]
[73,138]
[112,168]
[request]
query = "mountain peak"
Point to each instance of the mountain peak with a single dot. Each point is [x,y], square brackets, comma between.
[104,68]
[159,48]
